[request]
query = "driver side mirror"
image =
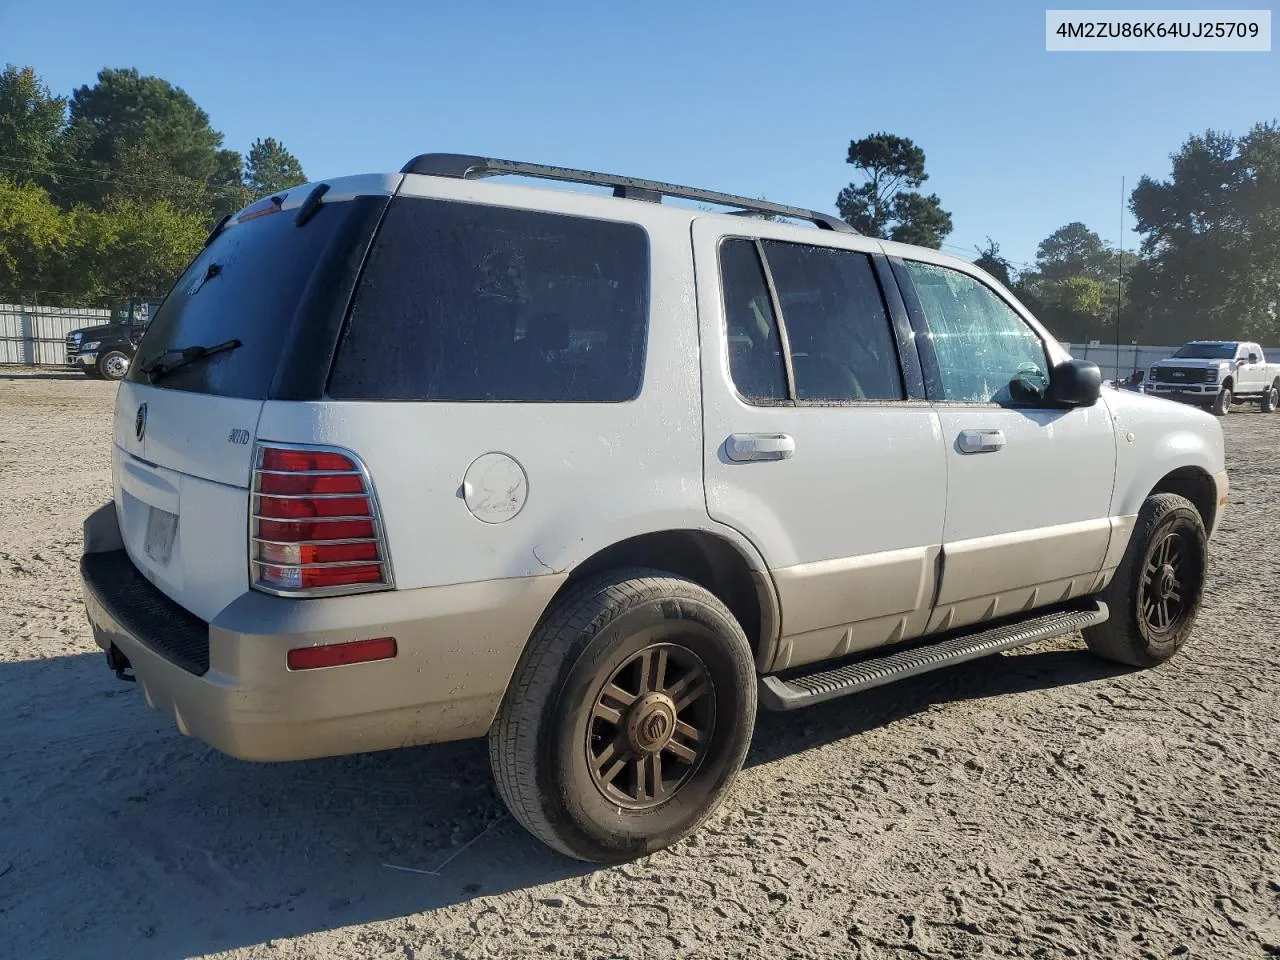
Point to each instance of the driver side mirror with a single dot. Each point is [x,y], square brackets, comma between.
[1075,383]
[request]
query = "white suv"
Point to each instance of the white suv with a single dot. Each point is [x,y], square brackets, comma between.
[421,456]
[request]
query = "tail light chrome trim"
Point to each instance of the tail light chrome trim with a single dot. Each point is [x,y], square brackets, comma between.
[374,517]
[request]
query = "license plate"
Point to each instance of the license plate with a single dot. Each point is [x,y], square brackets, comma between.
[161,528]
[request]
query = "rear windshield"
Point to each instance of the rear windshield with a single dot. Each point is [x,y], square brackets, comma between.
[466,302]
[247,285]
[1206,351]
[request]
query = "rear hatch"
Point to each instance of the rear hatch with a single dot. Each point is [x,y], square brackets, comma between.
[278,284]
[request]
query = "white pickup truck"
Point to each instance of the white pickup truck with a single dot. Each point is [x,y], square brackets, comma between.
[1216,374]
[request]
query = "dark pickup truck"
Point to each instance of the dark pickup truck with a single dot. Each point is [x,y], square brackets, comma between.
[105,352]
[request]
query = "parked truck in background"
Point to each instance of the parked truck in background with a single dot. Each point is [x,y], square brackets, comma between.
[106,351]
[1217,374]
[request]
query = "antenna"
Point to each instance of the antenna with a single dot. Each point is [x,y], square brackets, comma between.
[1120,281]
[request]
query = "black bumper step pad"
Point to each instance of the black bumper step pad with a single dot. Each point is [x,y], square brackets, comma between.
[144,612]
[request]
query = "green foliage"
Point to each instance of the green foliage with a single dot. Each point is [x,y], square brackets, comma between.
[31,120]
[136,245]
[33,233]
[1072,286]
[887,203]
[1211,239]
[1074,250]
[271,168]
[128,130]
[113,190]
[989,259]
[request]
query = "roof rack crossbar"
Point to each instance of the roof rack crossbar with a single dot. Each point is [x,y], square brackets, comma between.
[463,166]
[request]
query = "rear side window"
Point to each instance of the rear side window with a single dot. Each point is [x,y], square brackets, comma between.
[837,326]
[249,285]
[755,347]
[466,302]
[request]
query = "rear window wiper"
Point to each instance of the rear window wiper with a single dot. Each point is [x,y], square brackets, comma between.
[162,364]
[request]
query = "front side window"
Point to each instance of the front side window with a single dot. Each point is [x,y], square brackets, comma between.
[986,352]
[837,326]
[462,302]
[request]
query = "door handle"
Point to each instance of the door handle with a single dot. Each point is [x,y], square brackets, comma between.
[749,447]
[980,441]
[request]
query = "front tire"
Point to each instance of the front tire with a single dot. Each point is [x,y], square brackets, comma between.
[113,365]
[1270,399]
[628,717]
[1221,405]
[1156,591]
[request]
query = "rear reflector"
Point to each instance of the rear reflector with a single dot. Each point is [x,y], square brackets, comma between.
[315,529]
[341,654]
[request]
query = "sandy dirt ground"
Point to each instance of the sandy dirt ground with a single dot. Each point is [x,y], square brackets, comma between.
[1036,804]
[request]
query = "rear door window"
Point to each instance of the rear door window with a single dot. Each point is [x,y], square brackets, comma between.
[755,347]
[249,285]
[837,326]
[463,302]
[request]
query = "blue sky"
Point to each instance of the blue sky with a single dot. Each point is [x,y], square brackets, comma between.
[750,97]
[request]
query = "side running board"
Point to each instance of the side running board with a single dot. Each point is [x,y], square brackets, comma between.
[795,688]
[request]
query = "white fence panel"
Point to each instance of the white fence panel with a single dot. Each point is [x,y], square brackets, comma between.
[37,336]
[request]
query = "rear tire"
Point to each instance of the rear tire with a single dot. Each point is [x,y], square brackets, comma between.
[1156,591]
[589,753]
[1222,403]
[1270,399]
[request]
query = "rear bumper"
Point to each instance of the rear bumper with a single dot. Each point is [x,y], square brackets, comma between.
[457,648]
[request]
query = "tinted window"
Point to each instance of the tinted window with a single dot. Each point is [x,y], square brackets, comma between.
[248,285]
[986,352]
[837,326]
[755,348]
[468,302]
[1206,351]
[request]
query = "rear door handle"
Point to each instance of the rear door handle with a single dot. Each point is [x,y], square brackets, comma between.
[749,447]
[980,441]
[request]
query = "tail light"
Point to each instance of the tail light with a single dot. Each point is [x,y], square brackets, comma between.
[314,528]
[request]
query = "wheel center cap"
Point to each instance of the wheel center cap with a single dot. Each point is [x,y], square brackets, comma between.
[1164,581]
[651,722]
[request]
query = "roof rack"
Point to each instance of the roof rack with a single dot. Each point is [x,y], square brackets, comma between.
[462,166]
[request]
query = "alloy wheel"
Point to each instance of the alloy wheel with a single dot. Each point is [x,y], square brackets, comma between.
[1166,593]
[650,726]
